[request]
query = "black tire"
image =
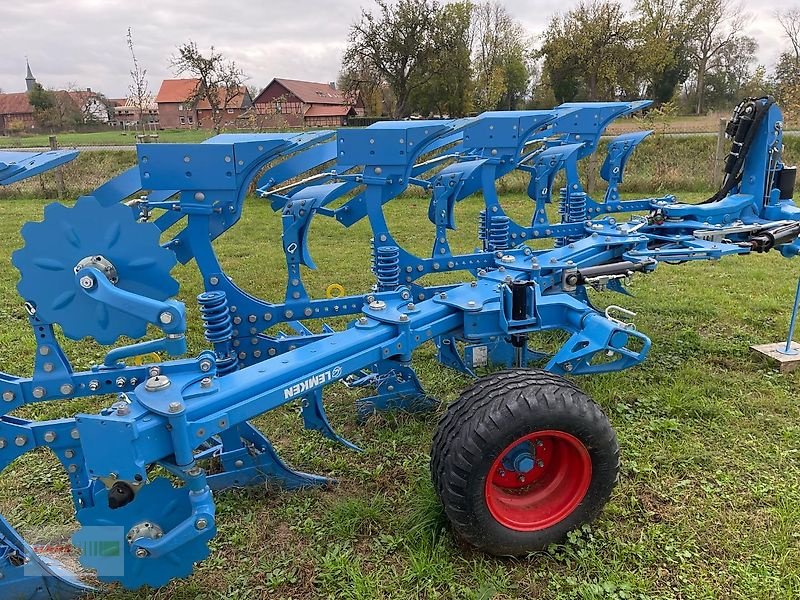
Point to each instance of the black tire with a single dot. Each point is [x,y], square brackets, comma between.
[493,415]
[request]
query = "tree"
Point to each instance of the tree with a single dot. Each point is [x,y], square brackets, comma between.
[501,67]
[53,110]
[789,21]
[448,90]
[591,53]
[713,26]
[664,56]
[139,96]
[398,45]
[219,81]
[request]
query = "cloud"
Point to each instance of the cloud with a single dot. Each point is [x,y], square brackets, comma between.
[82,42]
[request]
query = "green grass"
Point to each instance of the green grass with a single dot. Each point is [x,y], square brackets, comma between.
[708,503]
[111,137]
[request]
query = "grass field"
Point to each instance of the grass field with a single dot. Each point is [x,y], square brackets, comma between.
[708,503]
[111,137]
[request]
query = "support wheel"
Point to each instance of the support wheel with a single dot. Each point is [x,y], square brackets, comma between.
[522,458]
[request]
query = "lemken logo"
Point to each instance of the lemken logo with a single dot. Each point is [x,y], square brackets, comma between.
[312,382]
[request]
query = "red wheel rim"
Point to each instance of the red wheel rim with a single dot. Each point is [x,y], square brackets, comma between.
[538,480]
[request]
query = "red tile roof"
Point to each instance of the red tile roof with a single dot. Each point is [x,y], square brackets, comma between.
[313,93]
[180,90]
[176,90]
[330,111]
[15,104]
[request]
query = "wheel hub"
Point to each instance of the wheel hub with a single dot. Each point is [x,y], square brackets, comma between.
[538,480]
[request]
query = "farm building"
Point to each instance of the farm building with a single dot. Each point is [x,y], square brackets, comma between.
[176,110]
[292,103]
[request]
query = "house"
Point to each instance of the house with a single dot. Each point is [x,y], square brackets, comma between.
[126,113]
[175,109]
[16,113]
[93,106]
[288,102]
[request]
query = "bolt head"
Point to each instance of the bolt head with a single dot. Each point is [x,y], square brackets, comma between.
[141,553]
[20,440]
[165,317]
[201,524]
[38,392]
[87,282]
[69,453]
[121,381]
[403,318]
[205,366]
[94,385]
[49,436]
[75,434]
[175,407]
[205,382]
[363,321]
[3,443]
[66,389]
[8,396]
[238,464]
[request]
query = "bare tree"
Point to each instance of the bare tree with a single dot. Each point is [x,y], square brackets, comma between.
[219,81]
[139,96]
[790,22]
[714,25]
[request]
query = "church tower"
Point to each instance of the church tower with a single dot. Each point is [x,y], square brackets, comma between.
[30,80]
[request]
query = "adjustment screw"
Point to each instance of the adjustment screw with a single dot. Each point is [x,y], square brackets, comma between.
[205,365]
[94,385]
[38,392]
[165,317]
[87,282]
[9,396]
[49,437]
[201,524]
[175,407]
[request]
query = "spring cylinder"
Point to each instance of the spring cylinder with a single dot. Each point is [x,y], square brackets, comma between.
[387,267]
[498,233]
[218,327]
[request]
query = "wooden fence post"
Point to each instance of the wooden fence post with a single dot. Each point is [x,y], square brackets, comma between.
[58,172]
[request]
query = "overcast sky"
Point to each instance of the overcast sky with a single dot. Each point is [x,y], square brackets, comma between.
[82,42]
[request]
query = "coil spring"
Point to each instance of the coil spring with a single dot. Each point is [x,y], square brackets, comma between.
[562,211]
[387,268]
[482,227]
[218,327]
[576,213]
[498,234]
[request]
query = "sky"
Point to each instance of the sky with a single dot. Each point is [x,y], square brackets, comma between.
[81,43]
